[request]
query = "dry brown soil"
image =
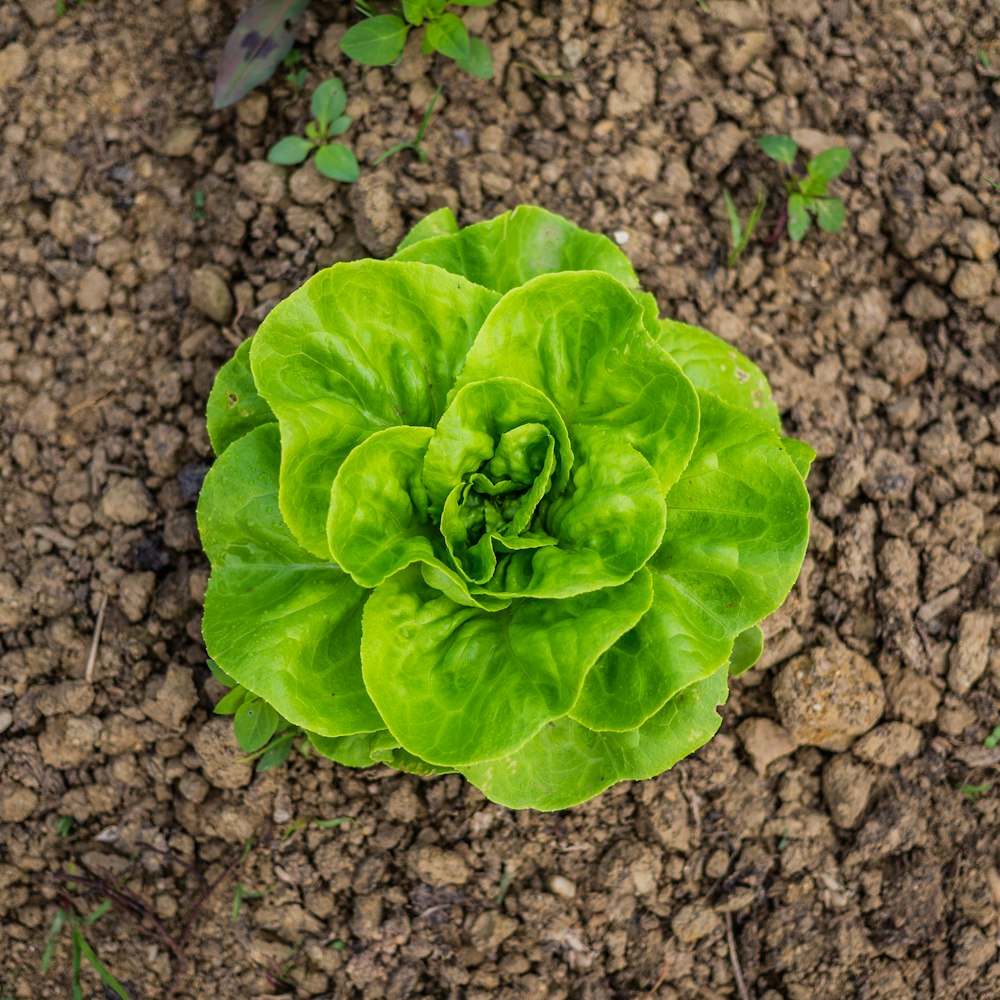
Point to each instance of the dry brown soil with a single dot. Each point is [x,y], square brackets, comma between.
[856,868]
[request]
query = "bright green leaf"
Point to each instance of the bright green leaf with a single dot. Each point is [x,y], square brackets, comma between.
[779,147]
[376,41]
[234,406]
[798,217]
[231,701]
[336,161]
[449,36]
[830,214]
[479,61]
[746,650]
[290,150]
[340,125]
[254,724]
[328,101]
[441,222]
[829,164]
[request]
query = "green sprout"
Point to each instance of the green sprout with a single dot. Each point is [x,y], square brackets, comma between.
[82,950]
[739,235]
[295,73]
[807,195]
[974,791]
[416,146]
[993,739]
[332,159]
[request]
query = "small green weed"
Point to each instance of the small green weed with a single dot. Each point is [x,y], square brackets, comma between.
[807,194]
[416,146]
[66,917]
[333,160]
[380,38]
[198,205]
[64,826]
[974,791]
[993,739]
[993,184]
[295,72]
[740,235]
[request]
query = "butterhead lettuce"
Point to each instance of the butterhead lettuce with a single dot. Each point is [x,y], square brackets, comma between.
[478,509]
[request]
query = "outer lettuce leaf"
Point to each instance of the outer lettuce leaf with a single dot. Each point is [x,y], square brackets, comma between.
[457,685]
[359,347]
[746,650]
[802,454]
[579,337]
[439,223]
[353,751]
[737,527]
[234,405]
[716,366]
[281,623]
[566,763]
[517,246]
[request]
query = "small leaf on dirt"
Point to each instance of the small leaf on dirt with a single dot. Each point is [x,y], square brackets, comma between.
[829,164]
[337,162]
[449,36]
[255,724]
[328,101]
[779,147]
[830,214]
[376,41]
[479,61]
[798,217]
[290,150]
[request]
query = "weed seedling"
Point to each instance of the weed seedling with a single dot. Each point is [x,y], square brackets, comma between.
[993,184]
[380,38]
[807,193]
[993,739]
[740,235]
[198,205]
[974,791]
[415,146]
[333,159]
[295,73]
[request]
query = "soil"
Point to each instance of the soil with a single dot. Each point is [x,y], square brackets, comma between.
[838,838]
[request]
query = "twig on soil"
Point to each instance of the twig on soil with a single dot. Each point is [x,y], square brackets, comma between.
[734,957]
[693,800]
[96,642]
[53,536]
[232,332]
[88,403]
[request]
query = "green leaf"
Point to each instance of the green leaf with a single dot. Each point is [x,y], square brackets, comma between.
[517,246]
[290,150]
[231,701]
[735,226]
[436,669]
[566,763]
[441,222]
[276,754]
[779,147]
[254,724]
[829,164]
[358,348]
[219,674]
[353,751]
[328,101]
[336,161]
[830,214]
[801,454]
[234,406]
[714,365]
[82,945]
[746,650]
[479,61]
[284,624]
[340,125]
[737,525]
[449,36]
[580,338]
[376,41]
[263,36]
[798,217]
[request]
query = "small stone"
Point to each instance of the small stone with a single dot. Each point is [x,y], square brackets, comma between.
[210,295]
[14,60]
[437,867]
[69,740]
[377,217]
[828,696]
[128,502]
[977,239]
[765,741]
[252,110]
[970,654]
[6,719]
[635,88]
[888,744]
[262,181]
[72,697]
[694,922]
[870,309]
[562,886]
[162,447]
[573,52]
[813,142]
[718,149]
[490,929]
[134,593]
[93,291]
[16,803]
[220,755]
[309,187]
[847,787]
[739,51]
[973,281]
[901,358]
[169,699]
[14,607]
[922,303]
[181,140]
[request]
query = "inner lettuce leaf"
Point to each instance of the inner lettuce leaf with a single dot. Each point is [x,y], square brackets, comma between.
[478,508]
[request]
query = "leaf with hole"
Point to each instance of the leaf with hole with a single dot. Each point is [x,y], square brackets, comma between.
[254,724]
[328,102]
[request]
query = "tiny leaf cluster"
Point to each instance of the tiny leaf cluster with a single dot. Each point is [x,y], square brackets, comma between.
[379,40]
[807,194]
[479,509]
[332,159]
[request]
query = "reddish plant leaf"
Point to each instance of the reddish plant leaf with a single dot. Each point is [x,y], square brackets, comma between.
[255,47]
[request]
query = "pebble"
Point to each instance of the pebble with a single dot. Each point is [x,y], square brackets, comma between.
[847,788]
[128,502]
[490,929]
[562,886]
[739,51]
[888,744]
[210,295]
[977,239]
[309,187]
[870,310]
[16,803]
[94,290]
[6,718]
[765,741]
[377,218]
[170,699]
[828,696]
[220,755]
[437,867]
[14,61]
[973,280]
[73,697]
[262,181]
[69,740]
[134,593]
[252,110]
[922,303]
[181,140]
[694,922]
[970,654]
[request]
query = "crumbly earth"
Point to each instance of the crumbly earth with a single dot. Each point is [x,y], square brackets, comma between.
[840,836]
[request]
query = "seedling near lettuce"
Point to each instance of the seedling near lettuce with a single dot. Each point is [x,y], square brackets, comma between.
[740,236]
[379,40]
[416,146]
[437,517]
[333,159]
[807,194]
